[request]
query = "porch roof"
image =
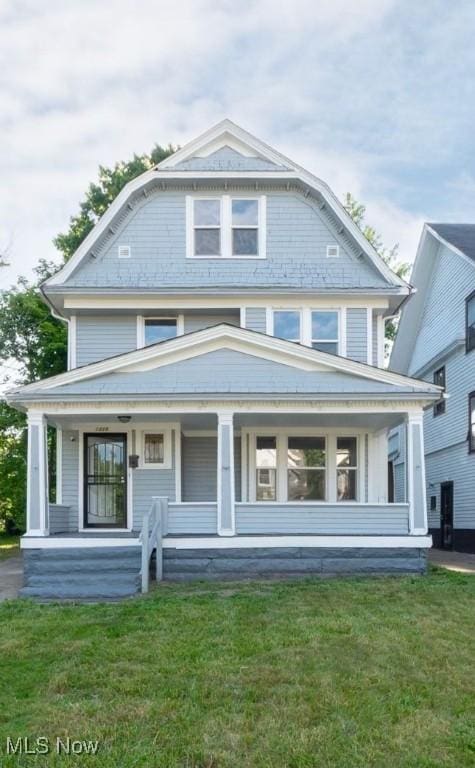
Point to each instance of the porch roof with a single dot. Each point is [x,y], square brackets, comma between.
[227,362]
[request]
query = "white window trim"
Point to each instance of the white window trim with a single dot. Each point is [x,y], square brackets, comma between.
[333,255]
[226,225]
[306,324]
[180,326]
[166,431]
[330,435]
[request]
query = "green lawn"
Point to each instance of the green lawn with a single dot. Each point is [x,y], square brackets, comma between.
[9,545]
[355,672]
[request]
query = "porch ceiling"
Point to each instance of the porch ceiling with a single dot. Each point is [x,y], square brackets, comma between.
[190,421]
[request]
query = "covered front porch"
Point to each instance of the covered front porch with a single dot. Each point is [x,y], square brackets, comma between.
[239,472]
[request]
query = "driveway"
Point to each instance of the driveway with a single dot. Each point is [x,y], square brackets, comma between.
[453,561]
[11,577]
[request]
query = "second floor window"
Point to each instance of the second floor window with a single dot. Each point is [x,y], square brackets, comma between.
[470,322]
[287,324]
[325,331]
[439,379]
[226,227]
[318,328]
[159,329]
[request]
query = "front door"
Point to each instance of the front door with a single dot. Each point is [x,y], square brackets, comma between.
[446,515]
[105,481]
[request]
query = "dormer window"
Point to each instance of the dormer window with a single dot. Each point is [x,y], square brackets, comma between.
[225,227]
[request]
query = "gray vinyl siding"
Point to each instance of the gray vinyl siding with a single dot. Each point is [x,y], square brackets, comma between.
[298,233]
[192,519]
[98,337]
[60,519]
[357,334]
[147,483]
[200,468]
[227,159]
[70,476]
[451,427]
[255,319]
[328,519]
[200,321]
[443,317]
[375,338]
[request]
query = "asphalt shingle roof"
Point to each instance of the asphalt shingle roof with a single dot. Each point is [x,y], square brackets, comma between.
[462,236]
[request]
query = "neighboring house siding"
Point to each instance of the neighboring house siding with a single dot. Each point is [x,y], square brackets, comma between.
[70,476]
[357,334]
[297,238]
[98,336]
[443,317]
[198,322]
[457,465]
[451,427]
[151,482]
[255,319]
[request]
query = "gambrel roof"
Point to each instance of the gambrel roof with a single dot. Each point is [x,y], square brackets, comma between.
[226,154]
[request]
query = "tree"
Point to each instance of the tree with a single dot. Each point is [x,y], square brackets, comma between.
[357,212]
[33,343]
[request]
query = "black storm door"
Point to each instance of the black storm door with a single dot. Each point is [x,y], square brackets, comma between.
[105,481]
[446,515]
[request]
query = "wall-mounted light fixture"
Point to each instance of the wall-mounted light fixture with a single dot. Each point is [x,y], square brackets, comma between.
[124,419]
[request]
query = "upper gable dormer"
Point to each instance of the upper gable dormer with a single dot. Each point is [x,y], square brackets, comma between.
[226,213]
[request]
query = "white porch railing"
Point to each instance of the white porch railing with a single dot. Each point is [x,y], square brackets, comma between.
[154,527]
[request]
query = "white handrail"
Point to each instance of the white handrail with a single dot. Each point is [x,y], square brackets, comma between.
[157,518]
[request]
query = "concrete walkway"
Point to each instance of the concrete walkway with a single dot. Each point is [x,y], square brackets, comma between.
[11,577]
[453,561]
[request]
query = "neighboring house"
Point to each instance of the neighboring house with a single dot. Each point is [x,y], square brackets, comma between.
[436,341]
[226,332]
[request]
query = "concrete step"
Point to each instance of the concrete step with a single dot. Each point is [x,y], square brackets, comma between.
[92,565]
[79,591]
[111,577]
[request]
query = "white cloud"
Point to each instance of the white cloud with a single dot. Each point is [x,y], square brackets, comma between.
[369,96]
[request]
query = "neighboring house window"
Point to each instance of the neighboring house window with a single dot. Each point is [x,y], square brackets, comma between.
[433,503]
[470,322]
[325,331]
[159,329]
[346,468]
[266,468]
[471,427]
[306,469]
[439,379]
[225,227]
[287,325]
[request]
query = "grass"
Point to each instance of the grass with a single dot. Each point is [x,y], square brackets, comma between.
[349,672]
[9,545]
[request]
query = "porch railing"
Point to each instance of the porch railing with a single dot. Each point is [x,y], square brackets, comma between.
[154,527]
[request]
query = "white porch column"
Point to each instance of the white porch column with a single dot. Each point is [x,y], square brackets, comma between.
[226,517]
[37,523]
[415,469]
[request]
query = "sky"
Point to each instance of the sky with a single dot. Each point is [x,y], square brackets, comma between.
[376,97]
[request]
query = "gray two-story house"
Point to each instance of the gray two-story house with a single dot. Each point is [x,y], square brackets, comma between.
[226,334]
[436,341]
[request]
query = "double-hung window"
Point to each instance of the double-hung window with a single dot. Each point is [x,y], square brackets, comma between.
[325,331]
[266,468]
[470,322]
[439,379]
[306,469]
[346,468]
[471,422]
[207,227]
[225,227]
[287,324]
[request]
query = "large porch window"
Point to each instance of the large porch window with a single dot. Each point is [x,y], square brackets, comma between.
[306,467]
